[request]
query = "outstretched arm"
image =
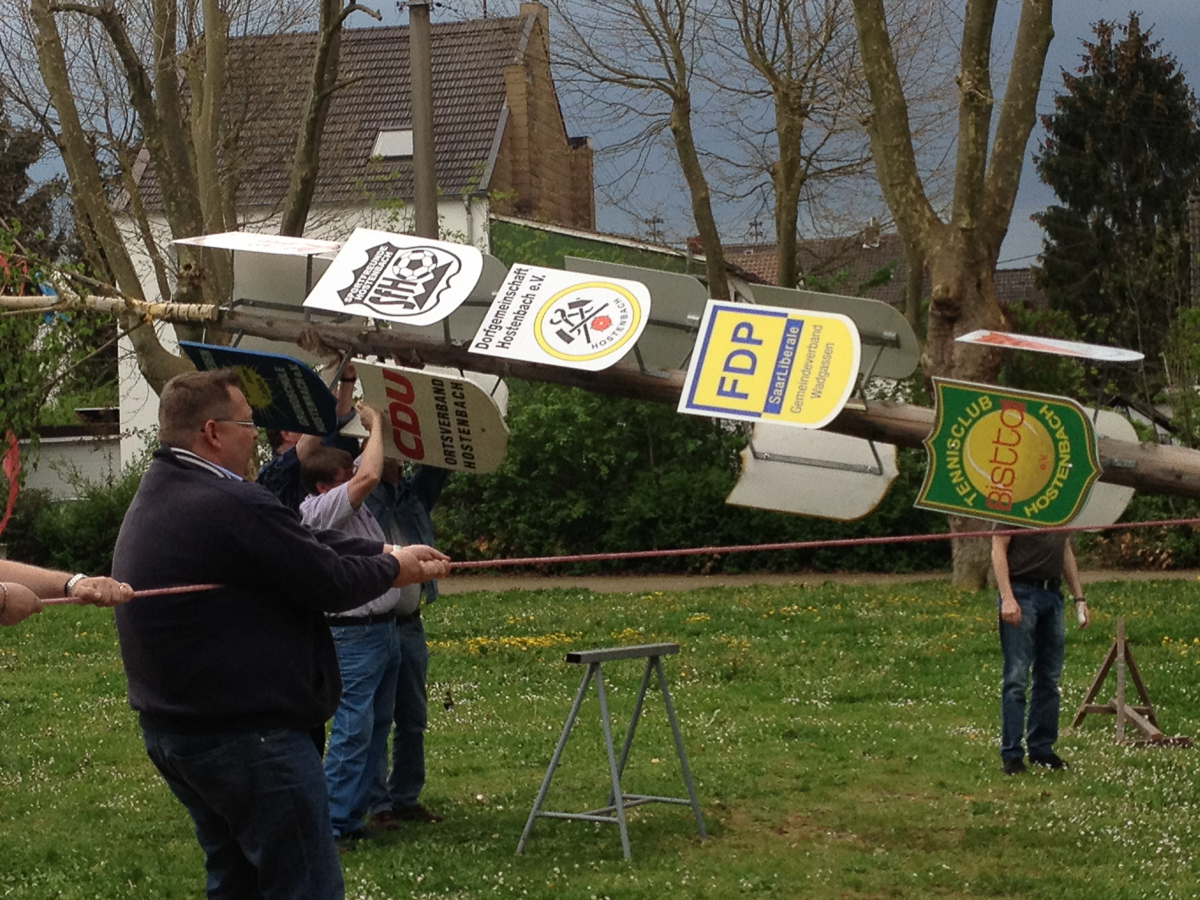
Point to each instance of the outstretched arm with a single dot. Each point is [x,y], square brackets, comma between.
[26,585]
[370,466]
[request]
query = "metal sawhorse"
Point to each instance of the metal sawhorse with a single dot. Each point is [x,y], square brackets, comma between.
[618,801]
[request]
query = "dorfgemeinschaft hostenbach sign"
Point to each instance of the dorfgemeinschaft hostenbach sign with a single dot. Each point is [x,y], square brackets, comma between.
[1009,456]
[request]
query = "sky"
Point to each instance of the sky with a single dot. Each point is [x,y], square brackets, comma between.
[1176,23]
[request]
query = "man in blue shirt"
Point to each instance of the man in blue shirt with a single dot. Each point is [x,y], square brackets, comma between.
[402,506]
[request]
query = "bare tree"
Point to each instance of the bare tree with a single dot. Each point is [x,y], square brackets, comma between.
[804,55]
[960,250]
[638,59]
[124,87]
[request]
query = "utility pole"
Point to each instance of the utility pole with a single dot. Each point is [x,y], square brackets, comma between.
[420,75]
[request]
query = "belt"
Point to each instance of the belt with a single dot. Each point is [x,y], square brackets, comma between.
[373,619]
[414,616]
[1042,584]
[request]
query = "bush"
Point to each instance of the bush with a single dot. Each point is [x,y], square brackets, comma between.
[74,535]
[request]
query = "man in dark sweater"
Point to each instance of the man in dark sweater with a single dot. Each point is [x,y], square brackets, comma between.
[230,682]
[1030,568]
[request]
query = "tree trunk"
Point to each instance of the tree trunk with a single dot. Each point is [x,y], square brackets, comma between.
[156,364]
[962,299]
[706,224]
[971,558]
[307,156]
[788,177]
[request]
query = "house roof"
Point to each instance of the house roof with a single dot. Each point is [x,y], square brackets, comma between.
[268,88]
[847,263]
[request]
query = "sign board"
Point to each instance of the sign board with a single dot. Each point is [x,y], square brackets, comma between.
[464,321]
[435,419]
[1050,345]
[283,392]
[679,302]
[813,473]
[562,319]
[1107,502]
[399,277]
[1008,456]
[759,363]
[890,346]
[277,244]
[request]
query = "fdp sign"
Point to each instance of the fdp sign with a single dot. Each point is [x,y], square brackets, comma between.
[1010,456]
[769,364]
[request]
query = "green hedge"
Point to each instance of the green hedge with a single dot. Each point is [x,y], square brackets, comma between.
[76,535]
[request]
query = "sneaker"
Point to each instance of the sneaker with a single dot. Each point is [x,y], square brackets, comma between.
[1013,765]
[1050,761]
[385,821]
[417,813]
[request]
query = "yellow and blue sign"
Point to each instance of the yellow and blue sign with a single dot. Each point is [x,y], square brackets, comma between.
[771,364]
[283,392]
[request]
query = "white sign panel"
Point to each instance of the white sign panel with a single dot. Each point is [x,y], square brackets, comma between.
[435,419]
[278,244]
[1050,345]
[563,319]
[399,277]
[813,473]
[1106,503]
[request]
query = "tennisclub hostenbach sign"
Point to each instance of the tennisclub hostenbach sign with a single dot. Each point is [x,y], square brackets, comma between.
[1009,456]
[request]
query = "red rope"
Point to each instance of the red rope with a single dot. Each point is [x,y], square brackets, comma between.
[734,548]
[800,545]
[155,592]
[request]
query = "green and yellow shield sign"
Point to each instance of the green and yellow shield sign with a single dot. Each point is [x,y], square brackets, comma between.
[1010,456]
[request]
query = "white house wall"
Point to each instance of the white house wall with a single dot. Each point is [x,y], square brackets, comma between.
[59,459]
[270,278]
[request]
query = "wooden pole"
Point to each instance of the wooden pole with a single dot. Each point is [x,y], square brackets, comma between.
[1148,467]
[420,74]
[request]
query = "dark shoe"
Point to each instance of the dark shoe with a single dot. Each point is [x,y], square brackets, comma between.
[1014,765]
[348,842]
[385,821]
[1049,761]
[416,813]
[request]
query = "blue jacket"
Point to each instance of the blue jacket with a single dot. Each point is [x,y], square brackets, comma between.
[255,652]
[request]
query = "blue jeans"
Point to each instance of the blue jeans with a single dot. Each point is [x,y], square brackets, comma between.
[407,778]
[1037,643]
[369,657]
[260,810]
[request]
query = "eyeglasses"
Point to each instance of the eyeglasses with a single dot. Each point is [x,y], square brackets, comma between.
[245,423]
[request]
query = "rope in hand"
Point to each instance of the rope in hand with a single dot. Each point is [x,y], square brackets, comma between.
[698,551]
[155,592]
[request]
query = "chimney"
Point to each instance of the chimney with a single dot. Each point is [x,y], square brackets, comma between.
[539,10]
[871,234]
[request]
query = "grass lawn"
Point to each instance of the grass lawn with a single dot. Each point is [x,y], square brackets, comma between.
[842,738]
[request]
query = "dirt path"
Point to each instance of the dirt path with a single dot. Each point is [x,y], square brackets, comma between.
[624,584]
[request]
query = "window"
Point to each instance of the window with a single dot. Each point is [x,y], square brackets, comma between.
[394,144]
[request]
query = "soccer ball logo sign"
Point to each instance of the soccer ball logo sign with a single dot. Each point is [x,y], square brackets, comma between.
[397,282]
